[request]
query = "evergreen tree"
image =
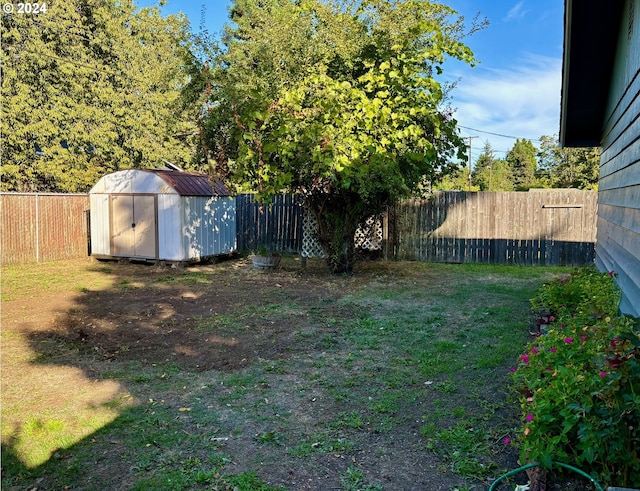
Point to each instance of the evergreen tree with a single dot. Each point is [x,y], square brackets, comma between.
[569,167]
[490,173]
[522,162]
[482,172]
[501,178]
[90,87]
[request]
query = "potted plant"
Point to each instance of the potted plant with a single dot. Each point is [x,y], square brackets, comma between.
[265,260]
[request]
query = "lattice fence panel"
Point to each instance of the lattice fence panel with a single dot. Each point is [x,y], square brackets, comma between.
[368,237]
[369,234]
[310,245]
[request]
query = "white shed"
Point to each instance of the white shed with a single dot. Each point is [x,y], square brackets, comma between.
[162,215]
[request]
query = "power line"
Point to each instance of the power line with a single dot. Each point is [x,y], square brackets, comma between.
[498,134]
[478,151]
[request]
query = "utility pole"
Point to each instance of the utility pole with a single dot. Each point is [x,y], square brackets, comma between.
[470,138]
[490,171]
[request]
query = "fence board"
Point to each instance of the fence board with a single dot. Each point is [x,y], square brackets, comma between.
[277,225]
[545,227]
[550,227]
[43,227]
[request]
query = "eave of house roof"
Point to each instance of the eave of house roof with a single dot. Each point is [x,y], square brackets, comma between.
[590,40]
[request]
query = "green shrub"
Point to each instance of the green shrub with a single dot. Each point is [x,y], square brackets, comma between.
[579,384]
[585,293]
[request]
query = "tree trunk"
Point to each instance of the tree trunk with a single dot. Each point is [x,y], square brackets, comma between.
[340,253]
[338,218]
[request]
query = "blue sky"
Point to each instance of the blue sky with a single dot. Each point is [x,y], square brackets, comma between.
[514,90]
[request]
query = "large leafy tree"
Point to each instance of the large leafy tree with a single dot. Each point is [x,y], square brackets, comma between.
[458,180]
[336,100]
[88,87]
[568,167]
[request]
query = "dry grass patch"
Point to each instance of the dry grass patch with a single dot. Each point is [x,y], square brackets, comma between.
[120,376]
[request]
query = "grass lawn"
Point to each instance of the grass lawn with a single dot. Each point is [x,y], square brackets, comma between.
[123,376]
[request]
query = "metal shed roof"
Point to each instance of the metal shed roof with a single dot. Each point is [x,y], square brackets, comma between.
[191,184]
[159,181]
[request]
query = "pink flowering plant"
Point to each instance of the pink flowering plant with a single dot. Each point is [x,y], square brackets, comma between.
[579,383]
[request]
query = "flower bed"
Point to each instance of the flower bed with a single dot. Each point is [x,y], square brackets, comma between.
[579,380]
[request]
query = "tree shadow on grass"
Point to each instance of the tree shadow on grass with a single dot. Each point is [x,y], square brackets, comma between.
[153,329]
[191,356]
[196,320]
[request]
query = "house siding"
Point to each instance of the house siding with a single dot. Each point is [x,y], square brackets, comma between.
[618,236]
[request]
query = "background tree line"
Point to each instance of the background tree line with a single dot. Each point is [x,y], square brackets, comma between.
[525,167]
[89,87]
[96,86]
[338,100]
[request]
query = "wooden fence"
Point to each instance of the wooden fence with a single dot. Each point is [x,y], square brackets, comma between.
[541,227]
[277,226]
[43,227]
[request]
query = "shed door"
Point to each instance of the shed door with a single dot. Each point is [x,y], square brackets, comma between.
[133,226]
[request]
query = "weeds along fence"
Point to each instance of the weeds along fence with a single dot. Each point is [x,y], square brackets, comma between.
[41,227]
[541,227]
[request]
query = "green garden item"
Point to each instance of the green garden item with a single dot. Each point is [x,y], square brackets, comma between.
[536,464]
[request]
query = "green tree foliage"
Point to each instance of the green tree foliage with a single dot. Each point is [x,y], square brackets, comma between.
[482,174]
[500,176]
[522,161]
[568,167]
[490,173]
[336,100]
[90,87]
[458,180]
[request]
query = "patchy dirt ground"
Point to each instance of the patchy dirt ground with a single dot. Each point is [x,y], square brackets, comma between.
[150,316]
[89,351]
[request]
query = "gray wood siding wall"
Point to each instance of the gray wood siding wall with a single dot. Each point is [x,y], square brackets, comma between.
[618,236]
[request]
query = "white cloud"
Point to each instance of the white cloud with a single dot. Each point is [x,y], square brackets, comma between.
[522,101]
[516,12]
